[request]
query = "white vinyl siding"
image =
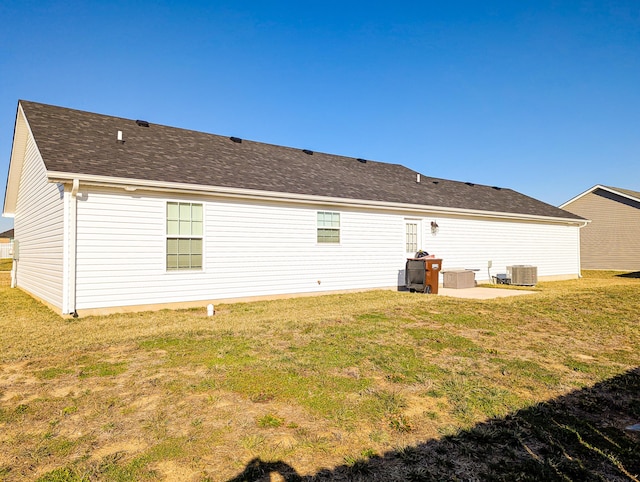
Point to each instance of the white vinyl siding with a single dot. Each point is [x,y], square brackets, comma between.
[471,243]
[39,229]
[251,250]
[261,249]
[6,250]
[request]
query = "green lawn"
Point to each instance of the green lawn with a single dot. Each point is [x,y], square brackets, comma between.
[378,385]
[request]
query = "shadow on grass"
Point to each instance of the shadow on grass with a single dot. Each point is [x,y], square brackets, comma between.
[632,274]
[577,437]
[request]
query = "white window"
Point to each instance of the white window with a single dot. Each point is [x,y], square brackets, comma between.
[184,236]
[328,227]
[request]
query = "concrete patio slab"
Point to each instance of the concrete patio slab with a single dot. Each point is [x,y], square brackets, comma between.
[481,293]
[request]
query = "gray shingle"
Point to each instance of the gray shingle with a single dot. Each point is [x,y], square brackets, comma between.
[78,142]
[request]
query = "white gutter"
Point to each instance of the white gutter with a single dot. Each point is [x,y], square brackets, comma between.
[137,184]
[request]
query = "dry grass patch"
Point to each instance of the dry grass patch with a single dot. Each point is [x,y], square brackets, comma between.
[6,264]
[372,384]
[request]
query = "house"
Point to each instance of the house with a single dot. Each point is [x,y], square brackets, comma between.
[119,214]
[6,237]
[6,244]
[612,239]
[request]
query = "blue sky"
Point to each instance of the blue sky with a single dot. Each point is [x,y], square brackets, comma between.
[539,96]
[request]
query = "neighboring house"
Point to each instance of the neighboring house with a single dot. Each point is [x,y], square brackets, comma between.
[6,244]
[612,239]
[6,237]
[119,214]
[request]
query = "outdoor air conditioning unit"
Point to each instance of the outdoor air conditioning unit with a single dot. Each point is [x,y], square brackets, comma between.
[522,275]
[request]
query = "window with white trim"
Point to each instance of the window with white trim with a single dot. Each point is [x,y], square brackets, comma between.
[411,239]
[184,236]
[328,227]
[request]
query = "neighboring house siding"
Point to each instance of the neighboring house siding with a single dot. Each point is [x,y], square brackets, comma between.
[612,239]
[255,249]
[39,224]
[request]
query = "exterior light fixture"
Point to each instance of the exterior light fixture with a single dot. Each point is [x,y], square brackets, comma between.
[434,227]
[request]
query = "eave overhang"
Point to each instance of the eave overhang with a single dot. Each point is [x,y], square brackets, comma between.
[132,185]
[21,133]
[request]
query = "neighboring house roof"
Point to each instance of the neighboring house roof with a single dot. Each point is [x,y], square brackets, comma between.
[84,144]
[7,234]
[633,195]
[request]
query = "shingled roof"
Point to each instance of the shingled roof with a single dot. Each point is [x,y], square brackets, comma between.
[628,193]
[77,142]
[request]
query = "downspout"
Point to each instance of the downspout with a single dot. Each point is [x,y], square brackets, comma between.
[73,218]
[580,248]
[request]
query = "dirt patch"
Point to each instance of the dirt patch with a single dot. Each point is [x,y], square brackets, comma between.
[133,446]
[174,472]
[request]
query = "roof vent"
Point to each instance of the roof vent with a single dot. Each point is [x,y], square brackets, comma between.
[119,138]
[469,184]
[435,182]
[418,178]
[496,188]
[142,123]
[363,161]
[307,151]
[237,140]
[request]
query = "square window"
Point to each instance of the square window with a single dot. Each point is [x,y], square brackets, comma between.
[328,227]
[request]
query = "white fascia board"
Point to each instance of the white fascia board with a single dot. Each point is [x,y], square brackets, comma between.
[574,199]
[21,132]
[131,185]
[620,193]
[604,188]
